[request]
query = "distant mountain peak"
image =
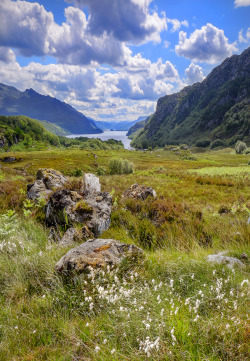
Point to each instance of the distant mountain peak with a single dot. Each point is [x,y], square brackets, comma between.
[41,107]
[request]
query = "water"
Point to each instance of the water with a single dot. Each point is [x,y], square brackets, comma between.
[107,134]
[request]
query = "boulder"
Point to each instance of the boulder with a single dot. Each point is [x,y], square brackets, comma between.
[48,180]
[137,191]
[66,207]
[9,159]
[97,253]
[73,236]
[220,258]
[90,184]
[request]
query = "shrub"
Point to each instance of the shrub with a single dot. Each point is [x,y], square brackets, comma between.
[240,147]
[120,166]
[217,143]
[101,171]
[76,172]
[203,143]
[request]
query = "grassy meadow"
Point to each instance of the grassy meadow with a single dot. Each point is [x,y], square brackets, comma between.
[172,305]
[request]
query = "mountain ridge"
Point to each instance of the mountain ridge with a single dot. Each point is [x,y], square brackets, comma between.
[44,108]
[204,109]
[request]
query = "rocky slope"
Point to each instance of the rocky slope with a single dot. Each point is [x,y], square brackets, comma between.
[37,106]
[216,108]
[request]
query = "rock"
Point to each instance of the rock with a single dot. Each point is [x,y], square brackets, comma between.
[48,180]
[90,184]
[73,235]
[244,257]
[97,253]
[220,258]
[9,159]
[52,179]
[139,192]
[66,207]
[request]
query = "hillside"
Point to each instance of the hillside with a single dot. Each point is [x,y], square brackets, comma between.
[137,127]
[120,126]
[37,106]
[216,108]
[16,129]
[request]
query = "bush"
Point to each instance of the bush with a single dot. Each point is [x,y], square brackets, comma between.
[240,147]
[120,166]
[101,171]
[76,172]
[217,143]
[203,143]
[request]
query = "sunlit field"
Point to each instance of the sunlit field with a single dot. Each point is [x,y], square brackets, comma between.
[171,305]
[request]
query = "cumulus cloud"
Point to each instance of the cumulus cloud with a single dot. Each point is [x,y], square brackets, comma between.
[176,24]
[25,26]
[126,20]
[208,44]
[245,39]
[239,3]
[194,74]
[7,55]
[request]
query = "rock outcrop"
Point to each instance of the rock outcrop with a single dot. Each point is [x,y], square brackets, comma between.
[221,258]
[47,181]
[73,236]
[67,207]
[97,253]
[137,191]
[90,184]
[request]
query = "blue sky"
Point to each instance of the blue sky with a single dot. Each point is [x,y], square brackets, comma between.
[112,59]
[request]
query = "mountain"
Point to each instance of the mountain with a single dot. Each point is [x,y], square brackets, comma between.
[119,126]
[216,108]
[137,127]
[41,107]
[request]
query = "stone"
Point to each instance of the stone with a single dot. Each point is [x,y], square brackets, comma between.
[221,258]
[47,181]
[137,191]
[97,253]
[9,159]
[66,207]
[90,184]
[52,179]
[73,236]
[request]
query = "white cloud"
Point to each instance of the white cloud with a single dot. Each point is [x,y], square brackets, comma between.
[125,20]
[7,55]
[239,3]
[245,39]
[194,74]
[208,44]
[90,89]
[25,26]
[176,24]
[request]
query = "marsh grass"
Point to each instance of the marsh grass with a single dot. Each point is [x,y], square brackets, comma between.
[172,306]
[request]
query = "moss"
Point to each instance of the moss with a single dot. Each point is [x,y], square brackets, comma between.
[83,207]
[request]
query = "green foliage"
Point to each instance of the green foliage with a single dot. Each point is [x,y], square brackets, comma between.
[120,166]
[203,143]
[217,143]
[101,170]
[77,172]
[240,147]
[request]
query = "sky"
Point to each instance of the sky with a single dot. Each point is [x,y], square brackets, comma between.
[113,59]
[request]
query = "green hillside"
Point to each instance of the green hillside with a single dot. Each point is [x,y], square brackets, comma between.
[217,108]
[21,129]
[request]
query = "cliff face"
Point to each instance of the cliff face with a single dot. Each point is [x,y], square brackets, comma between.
[37,106]
[218,107]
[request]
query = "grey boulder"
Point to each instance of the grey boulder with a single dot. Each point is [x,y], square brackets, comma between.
[97,253]
[47,181]
[137,191]
[221,258]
